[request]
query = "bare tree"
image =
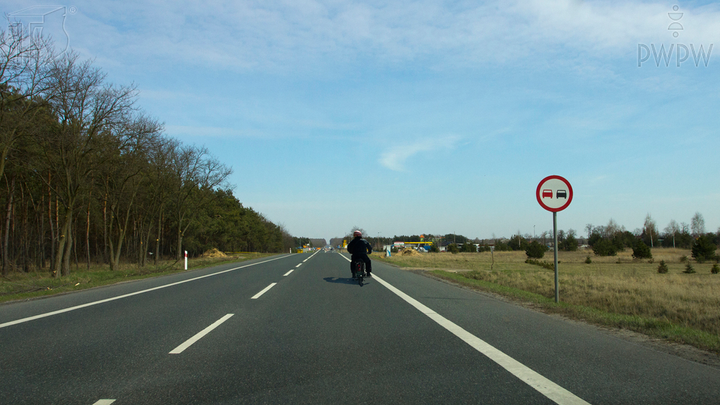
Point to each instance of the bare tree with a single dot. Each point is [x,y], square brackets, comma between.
[672,229]
[86,109]
[194,173]
[154,198]
[612,228]
[24,63]
[697,225]
[124,174]
[650,229]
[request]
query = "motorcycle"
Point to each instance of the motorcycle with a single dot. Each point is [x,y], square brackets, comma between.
[359,271]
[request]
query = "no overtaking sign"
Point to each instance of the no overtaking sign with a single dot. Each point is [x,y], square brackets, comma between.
[554,193]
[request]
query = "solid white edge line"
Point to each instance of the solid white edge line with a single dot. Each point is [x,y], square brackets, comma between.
[200,335]
[256,296]
[104,402]
[288,273]
[89,304]
[530,377]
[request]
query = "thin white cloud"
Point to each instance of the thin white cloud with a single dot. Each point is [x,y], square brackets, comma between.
[395,157]
[294,36]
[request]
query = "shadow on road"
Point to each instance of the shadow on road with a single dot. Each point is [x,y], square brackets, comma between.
[338,280]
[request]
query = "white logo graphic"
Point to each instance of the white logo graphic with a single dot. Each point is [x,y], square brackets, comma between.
[42,22]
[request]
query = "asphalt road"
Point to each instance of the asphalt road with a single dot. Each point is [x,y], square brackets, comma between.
[296,329]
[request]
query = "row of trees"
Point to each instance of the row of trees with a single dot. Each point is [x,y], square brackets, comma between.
[89,176]
[604,240]
[674,235]
[610,239]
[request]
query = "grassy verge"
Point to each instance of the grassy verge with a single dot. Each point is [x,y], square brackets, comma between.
[658,328]
[615,291]
[20,286]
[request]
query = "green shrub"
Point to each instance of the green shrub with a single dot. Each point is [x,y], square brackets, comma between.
[452,248]
[588,260]
[715,269]
[535,250]
[689,269]
[605,247]
[547,265]
[662,268]
[703,249]
[642,251]
[517,242]
[570,244]
[683,259]
[469,247]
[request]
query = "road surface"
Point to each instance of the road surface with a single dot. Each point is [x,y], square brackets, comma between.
[296,329]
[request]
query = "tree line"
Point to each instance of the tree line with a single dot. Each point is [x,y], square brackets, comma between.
[605,240]
[609,239]
[89,177]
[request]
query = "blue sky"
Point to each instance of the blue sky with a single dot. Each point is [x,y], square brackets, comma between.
[428,116]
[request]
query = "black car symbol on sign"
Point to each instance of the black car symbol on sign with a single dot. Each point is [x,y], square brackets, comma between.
[561,193]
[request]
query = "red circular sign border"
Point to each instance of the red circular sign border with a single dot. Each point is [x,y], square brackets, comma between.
[564,180]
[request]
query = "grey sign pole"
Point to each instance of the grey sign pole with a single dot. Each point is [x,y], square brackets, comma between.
[555,249]
[554,193]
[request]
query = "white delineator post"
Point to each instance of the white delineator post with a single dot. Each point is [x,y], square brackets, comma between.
[186,260]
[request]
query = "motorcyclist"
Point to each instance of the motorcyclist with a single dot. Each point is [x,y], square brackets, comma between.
[359,248]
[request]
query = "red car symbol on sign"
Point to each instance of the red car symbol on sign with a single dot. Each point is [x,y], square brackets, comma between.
[547,193]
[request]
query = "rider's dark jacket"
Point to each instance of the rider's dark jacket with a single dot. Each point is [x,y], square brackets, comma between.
[359,246]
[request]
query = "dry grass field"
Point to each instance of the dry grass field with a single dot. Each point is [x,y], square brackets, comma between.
[618,285]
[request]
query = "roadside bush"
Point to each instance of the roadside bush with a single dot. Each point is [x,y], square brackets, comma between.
[535,250]
[683,259]
[662,268]
[570,244]
[502,247]
[588,260]
[623,240]
[549,266]
[715,269]
[703,249]
[689,269]
[452,248]
[642,251]
[469,247]
[434,249]
[604,247]
[517,242]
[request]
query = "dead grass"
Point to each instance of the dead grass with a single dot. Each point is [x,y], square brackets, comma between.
[616,285]
[214,252]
